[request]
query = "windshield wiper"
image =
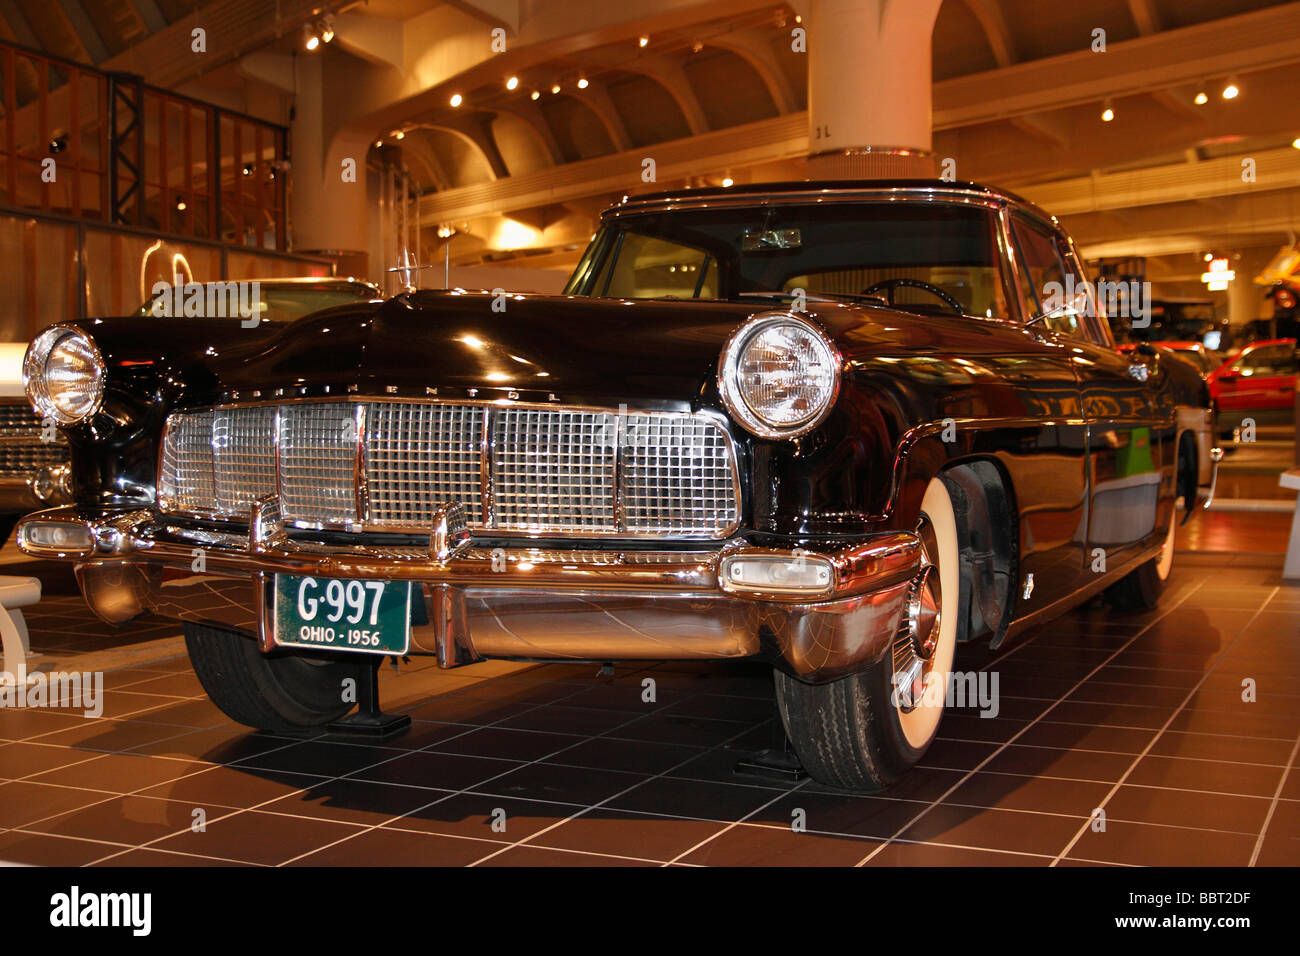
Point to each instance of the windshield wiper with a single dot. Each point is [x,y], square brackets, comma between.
[818,297]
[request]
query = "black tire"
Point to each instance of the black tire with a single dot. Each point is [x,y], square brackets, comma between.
[277,692]
[853,732]
[840,730]
[1140,589]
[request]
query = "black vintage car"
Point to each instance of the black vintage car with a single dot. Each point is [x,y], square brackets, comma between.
[839,427]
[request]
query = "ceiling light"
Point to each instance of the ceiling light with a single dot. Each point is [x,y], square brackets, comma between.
[798,19]
[643,40]
[1209,257]
[555,88]
[399,134]
[1107,114]
[1201,98]
[1295,143]
[327,27]
[310,39]
[1230,91]
[582,83]
[697,46]
[512,82]
[456,99]
[180,203]
[727,181]
[535,95]
[378,143]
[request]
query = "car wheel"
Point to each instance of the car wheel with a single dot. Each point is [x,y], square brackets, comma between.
[863,731]
[1140,589]
[278,692]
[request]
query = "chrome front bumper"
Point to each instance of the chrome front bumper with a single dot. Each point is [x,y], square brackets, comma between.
[515,601]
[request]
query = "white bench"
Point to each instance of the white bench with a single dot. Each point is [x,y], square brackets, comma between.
[15,593]
[1291,570]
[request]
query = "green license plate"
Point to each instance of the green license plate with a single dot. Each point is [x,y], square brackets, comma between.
[334,614]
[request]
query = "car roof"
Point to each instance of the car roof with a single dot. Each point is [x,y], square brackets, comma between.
[821,189]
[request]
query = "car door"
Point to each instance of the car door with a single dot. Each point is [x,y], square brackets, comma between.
[1051,485]
[1263,377]
[1130,425]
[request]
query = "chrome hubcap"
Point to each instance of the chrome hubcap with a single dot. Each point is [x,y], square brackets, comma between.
[918,633]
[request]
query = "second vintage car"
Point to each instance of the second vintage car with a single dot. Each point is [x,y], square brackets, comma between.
[837,427]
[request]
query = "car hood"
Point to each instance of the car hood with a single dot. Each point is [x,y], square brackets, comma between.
[479,345]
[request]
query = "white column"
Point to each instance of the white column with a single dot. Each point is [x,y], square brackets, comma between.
[869,88]
[328,214]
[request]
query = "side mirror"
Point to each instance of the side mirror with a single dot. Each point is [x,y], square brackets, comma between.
[1230,374]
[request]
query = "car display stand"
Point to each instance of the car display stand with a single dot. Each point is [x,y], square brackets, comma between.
[369,721]
[778,762]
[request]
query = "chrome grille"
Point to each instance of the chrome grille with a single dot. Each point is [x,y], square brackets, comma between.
[677,476]
[244,452]
[553,470]
[542,470]
[188,482]
[417,457]
[22,448]
[318,463]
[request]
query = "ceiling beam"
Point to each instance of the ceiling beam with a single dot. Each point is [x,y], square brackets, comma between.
[18,23]
[1250,41]
[1173,182]
[503,13]
[1260,220]
[754,47]
[996,32]
[150,17]
[668,73]
[602,104]
[1145,16]
[532,115]
[786,137]
[88,38]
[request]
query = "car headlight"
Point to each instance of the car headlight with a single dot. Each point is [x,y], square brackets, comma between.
[63,374]
[779,375]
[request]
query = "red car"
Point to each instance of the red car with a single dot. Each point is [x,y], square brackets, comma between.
[1257,382]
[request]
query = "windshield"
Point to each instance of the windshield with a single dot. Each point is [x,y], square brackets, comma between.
[827,248]
[245,299]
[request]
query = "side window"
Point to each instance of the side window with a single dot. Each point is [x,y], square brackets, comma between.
[1043,273]
[647,267]
[1269,360]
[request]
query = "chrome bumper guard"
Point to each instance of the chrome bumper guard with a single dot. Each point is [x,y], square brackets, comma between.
[821,610]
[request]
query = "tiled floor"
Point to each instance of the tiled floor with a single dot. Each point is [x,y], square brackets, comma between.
[1140,716]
